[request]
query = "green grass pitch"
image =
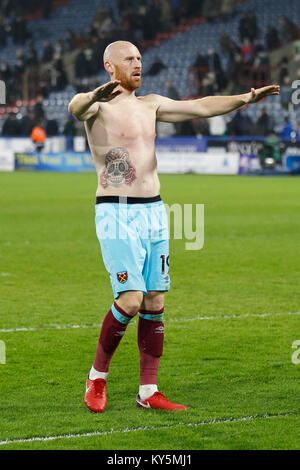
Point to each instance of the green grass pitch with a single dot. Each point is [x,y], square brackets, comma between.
[231,317]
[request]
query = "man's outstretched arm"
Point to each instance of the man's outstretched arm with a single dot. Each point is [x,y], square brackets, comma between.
[85,105]
[175,111]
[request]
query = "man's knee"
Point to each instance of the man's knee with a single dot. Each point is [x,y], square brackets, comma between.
[153,301]
[130,301]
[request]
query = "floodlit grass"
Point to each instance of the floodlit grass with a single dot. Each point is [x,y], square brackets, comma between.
[230,365]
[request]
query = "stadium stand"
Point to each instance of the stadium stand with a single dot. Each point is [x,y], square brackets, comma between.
[236,48]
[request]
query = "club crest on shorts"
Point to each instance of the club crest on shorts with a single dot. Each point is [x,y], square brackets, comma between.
[122,276]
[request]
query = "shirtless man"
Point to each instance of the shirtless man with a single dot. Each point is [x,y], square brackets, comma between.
[121,133]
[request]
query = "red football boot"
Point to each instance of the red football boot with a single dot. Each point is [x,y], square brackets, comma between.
[95,395]
[158,401]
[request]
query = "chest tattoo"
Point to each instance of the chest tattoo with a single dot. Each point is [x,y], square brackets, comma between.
[118,168]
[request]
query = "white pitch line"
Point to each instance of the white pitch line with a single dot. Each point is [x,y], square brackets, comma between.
[49,327]
[147,428]
[170,320]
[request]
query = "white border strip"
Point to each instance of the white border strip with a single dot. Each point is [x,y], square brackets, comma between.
[171,320]
[148,428]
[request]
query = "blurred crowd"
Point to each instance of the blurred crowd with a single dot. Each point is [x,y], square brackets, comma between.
[35,116]
[140,21]
[14,17]
[248,62]
[236,124]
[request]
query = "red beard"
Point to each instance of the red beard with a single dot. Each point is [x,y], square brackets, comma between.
[129,84]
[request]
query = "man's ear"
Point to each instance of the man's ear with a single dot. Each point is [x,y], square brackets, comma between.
[108,67]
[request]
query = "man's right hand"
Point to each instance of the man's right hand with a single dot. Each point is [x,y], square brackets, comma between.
[86,105]
[106,92]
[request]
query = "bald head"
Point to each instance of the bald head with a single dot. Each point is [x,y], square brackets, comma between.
[122,60]
[116,50]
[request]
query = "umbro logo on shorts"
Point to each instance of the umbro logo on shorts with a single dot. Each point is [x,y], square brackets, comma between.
[122,276]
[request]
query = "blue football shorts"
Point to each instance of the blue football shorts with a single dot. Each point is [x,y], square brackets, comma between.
[134,239]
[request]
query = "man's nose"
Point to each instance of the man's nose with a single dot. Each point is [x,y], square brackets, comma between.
[137,64]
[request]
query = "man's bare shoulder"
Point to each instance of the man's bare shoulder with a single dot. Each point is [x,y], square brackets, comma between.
[152,99]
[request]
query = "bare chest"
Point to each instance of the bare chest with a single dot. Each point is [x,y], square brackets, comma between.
[125,123]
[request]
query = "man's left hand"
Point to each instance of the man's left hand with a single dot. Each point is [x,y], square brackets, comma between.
[258,94]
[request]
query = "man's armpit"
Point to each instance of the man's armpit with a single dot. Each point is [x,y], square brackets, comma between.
[90,113]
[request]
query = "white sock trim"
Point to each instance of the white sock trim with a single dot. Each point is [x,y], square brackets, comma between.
[95,374]
[146,391]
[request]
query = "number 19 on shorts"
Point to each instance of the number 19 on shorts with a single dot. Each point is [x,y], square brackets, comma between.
[164,262]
